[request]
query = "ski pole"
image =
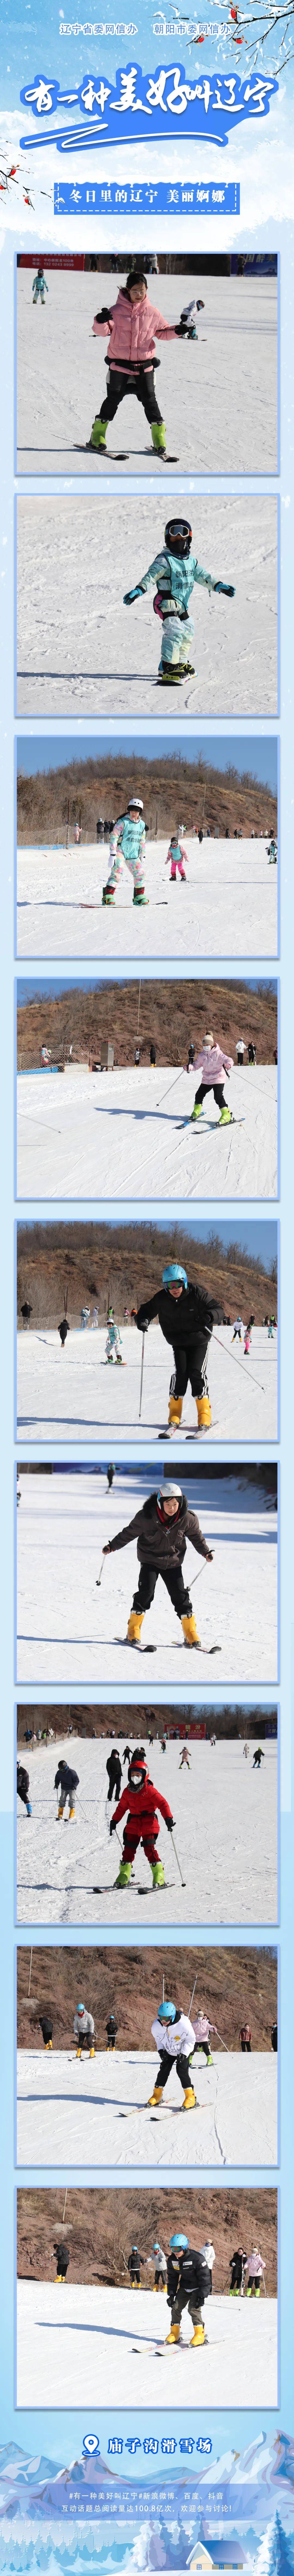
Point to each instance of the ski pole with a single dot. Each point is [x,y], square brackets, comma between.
[118,1838]
[265,2291]
[256,1381]
[99,1576]
[142,1366]
[183,1881]
[196,1577]
[195,1984]
[222,2041]
[172,1087]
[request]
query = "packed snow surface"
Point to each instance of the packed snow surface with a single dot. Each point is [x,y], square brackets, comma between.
[84,1135]
[64,1521]
[219,397]
[228,907]
[230,1873]
[81,652]
[75,2111]
[67,1393]
[80,2346]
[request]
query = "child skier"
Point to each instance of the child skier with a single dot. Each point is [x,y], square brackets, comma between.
[186,1317]
[202,2030]
[188,2284]
[247,1340]
[134,2261]
[62,2260]
[175,570]
[63,1329]
[161,1527]
[85,1318]
[139,1804]
[40,287]
[160,2269]
[174,2039]
[258,1757]
[245,2037]
[178,857]
[237,2268]
[132,324]
[238,1329]
[22,1784]
[212,1064]
[46,2026]
[111,2030]
[255,2269]
[84,2030]
[184,1757]
[113,1354]
[127,848]
[66,1782]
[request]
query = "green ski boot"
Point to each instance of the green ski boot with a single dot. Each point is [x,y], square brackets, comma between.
[225,1119]
[98,433]
[209,2060]
[139,895]
[124,1874]
[158,1879]
[196,1112]
[108,893]
[158,435]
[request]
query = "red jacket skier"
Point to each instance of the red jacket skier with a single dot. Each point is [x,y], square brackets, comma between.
[139,1804]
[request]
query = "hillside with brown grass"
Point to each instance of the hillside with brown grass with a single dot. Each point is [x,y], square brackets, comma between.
[101,2226]
[122,1721]
[119,1264]
[233,1985]
[173,791]
[82,1016]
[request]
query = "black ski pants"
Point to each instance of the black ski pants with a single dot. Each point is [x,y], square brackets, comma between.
[246,2047]
[181,2065]
[218,1092]
[62,2269]
[204,2044]
[141,383]
[159,2276]
[174,1582]
[190,1366]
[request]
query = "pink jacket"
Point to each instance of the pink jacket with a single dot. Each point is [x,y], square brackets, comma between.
[213,1064]
[133,330]
[202,2026]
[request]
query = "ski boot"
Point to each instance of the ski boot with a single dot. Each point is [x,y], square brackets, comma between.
[156,2096]
[139,895]
[169,675]
[98,433]
[189,2102]
[190,1630]
[60,1813]
[29,1810]
[92,2052]
[175,1411]
[124,1874]
[135,1623]
[189,671]
[78,2052]
[158,1878]
[198,2337]
[158,435]
[196,1112]
[203,1412]
[209,2059]
[225,1119]
[174,2335]
[71,1819]
[48,2044]
[108,893]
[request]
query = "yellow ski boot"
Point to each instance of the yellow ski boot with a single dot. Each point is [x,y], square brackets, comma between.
[92,2052]
[135,1622]
[175,1411]
[60,1813]
[174,2335]
[189,2102]
[48,2044]
[71,1816]
[198,2337]
[190,1630]
[79,2052]
[156,2096]
[203,1412]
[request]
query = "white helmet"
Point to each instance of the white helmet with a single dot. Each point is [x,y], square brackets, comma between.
[135,800]
[170,1493]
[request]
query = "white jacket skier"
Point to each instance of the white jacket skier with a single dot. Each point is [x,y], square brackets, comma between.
[84,2028]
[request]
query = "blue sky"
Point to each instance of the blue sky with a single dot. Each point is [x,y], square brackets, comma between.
[43,987]
[52,751]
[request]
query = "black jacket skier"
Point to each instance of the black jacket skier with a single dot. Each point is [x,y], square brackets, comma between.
[22,1783]
[134,2261]
[62,2259]
[113,1766]
[46,2026]
[162,1527]
[112,2028]
[66,1782]
[188,2284]
[186,1320]
[63,1329]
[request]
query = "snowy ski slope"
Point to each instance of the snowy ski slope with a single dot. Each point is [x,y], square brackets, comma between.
[85,2345]
[230,1875]
[73,1393]
[111,1135]
[219,398]
[75,2112]
[228,907]
[81,652]
[65,1634]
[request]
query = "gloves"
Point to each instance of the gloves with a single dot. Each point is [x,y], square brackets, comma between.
[104,316]
[106,1551]
[112,1825]
[169,1820]
[209,1555]
[133,594]
[227,586]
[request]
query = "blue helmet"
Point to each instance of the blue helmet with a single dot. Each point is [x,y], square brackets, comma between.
[173,1272]
[166,2012]
[176,2241]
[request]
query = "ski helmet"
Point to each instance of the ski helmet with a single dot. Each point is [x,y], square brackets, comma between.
[166,2012]
[137,801]
[174,1272]
[156,2248]
[176,2241]
[137,1773]
[178,536]
[134,2249]
[80,2008]
[169,1493]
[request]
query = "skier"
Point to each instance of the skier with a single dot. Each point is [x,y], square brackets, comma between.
[213,1740]
[84,2030]
[113,1354]
[273,853]
[95,1320]
[66,1782]
[238,1329]
[46,2026]
[271,1328]
[274,2037]
[22,1784]
[186,1316]
[63,2259]
[258,1757]
[132,325]
[162,1526]
[202,2030]
[175,570]
[209,2254]
[212,1064]
[39,286]
[245,2037]
[237,2268]
[26,1311]
[240,1052]
[251,1052]
[188,2284]
[247,1340]
[160,2269]
[184,1757]
[134,2261]
[178,858]
[85,1318]
[63,1329]
[245,1752]
[113,1766]
[255,2268]
[110,1476]
[127,1753]
[174,2038]
[139,1804]
[111,2029]
[153,1056]
[127,848]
